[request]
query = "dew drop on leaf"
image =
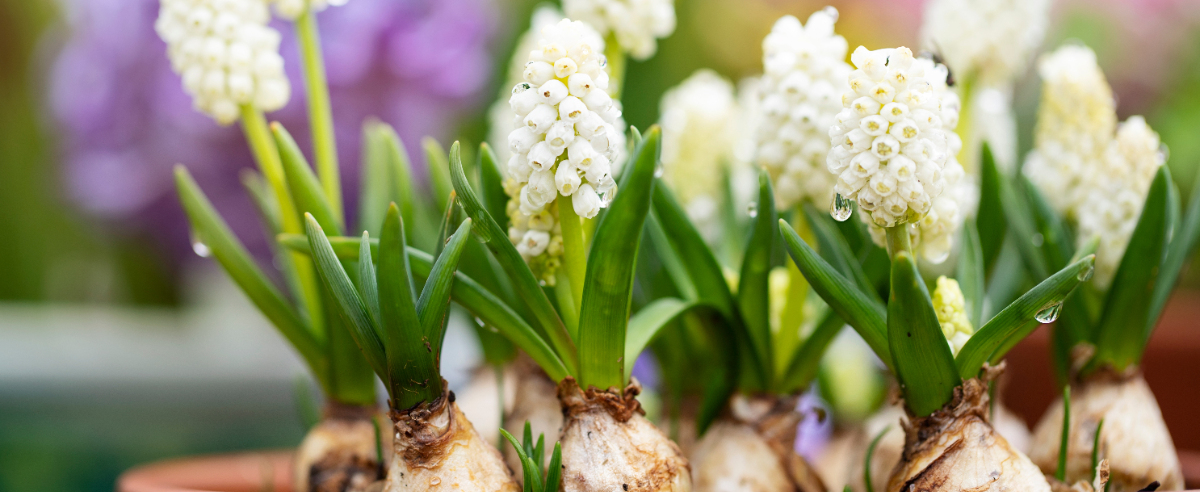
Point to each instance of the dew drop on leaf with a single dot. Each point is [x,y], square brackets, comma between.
[1086,273]
[839,208]
[1049,314]
[658,171]
[752,209]
[202,250]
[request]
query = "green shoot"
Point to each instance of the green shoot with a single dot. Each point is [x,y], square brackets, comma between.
[923,361]
[1096,449]
[870,454]
[1061,472]
[531,456]
[320,114]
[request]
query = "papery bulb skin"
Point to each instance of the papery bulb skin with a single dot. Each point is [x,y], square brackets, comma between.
[635,24]
[751,449]
[226,54]
[437,449]
[1134,439]
[536,402]
[340,452]
[609,445]
[956,449]
[804,74]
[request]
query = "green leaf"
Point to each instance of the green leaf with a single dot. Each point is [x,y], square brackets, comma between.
[529,471]
[376,178]
[806,362]
[1019,217]
[608,287]
[870,454]
[1121,336]
[753,294]
[399,325]
[702,265]
[990,218]
[353,309]
[1183,244]
[306,189]
[923,361]
[524,283]
[842,295]
[237,262]
[647,323]
[1060,472]
[368,287]
[1056,239]
[970,272]
[833,248]
[1018,319]
[438,167]
[668,258]
[403,190]
[491,183]
[434,303]
[554,472]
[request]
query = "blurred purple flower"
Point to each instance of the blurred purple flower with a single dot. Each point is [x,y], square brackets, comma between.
[124,119]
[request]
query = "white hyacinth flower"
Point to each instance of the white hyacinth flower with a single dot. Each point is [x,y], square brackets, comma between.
[293,9]
[566,139]
[988,41]
[500,115]
[951,308]
[1116,193]
[699,129]
[226,55]
[804,75]
[636,24]
[1076,120]
[894,139]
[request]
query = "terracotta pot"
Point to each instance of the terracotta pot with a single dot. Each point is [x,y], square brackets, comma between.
[256,471]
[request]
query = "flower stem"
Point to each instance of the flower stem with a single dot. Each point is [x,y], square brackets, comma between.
[574,251]
[320,115]
[787,341]
[898,240]
[616,65]
[254,124]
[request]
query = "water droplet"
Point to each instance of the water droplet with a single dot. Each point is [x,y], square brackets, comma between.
[1164,152]
[752,209]
[435,481]
[603,61]
[479,321]
[839,208]
[658,171]
[1037,239]
[608,197]
[541,283]
[831,12]
[1086,273]
[522,87]
[1049,314]
[202,250]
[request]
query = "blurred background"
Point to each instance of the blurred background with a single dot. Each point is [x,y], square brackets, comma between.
[118,345]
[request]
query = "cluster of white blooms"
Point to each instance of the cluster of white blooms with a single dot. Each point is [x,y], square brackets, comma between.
[226,54]
[1115,194]
[699,128]
[568,139]
[990,40]
[636,24]
[1076,121]
[893,142]
[951,308]
[500,115]
[804,73]
[293,9]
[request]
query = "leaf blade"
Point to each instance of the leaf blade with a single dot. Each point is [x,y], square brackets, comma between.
[923,361]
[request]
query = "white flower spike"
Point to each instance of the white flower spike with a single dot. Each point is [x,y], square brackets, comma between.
[989,41]
[804,76]
[226,54]
[700,119]
[636,24]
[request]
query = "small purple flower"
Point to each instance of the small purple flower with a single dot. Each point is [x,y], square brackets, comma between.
[125,120]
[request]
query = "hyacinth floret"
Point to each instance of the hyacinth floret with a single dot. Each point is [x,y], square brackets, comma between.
[293,9]
[500,114]
[894,146]
[950,306]
[567,142]
[1115,195]
[1076,121]
[989,40]
[635,24]
[226,54]
[699,131]
[804,71]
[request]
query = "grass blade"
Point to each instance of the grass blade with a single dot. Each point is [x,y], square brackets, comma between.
[971,272]
[306,189]
[240,266]
[524,283]
[992,225]
[753,294]
[491,183]
[376,179]
[647,323]
[368,286]
[608,287]
[439,171]
[923,361]
[1121,336]
[399,324]
[1183,244]
[1017,320]
[842,295]
[353,309]
[554,472]
[434,303]
[1060,473]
